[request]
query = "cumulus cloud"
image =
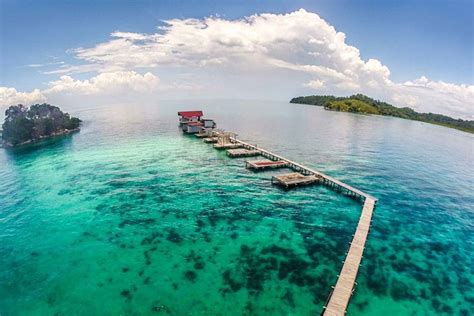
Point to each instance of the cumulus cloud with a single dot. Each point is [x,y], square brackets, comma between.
[301,48]
[10,96]
[108,82]
[436,96]
[299,41]
[315,84]
[103,84]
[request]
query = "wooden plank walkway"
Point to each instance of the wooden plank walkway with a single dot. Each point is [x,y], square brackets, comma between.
[242,152]
[328,180]
[265,164]
[227,146]
[294,179]
[339,299]
[210,140]
[342,291]
[202,135]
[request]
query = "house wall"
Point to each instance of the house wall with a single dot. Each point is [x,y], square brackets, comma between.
[193,129]
[209,123]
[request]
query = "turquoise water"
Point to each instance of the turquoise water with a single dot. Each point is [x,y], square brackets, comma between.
[131,217]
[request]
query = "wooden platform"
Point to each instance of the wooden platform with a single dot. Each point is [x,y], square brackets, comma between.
[242,152]
[227,146]
[342,292]
[327,180]
[339,298]
[202,135]
[210,140]
[294,179]
[265,164]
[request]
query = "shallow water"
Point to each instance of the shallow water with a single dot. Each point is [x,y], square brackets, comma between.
[129,216]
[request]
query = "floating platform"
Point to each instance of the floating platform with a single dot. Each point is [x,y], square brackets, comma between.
[242,152]
[339,297]
[294,179]
[265,164]
[227,146]
[210,140]
[202,135]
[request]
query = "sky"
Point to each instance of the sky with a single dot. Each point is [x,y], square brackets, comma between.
[408,53]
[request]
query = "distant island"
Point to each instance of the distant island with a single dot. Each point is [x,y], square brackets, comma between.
[360,103]
[24,124]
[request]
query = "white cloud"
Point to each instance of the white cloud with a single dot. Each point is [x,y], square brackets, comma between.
[10,96]
[299,41]
[436,96]
[300,49]
[315,84]
[43,65]
[109,82]
[118,83]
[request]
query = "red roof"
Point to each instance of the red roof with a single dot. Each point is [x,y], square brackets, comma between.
[189,114]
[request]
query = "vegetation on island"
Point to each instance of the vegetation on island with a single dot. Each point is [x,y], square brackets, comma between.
[360,103]
[26,124]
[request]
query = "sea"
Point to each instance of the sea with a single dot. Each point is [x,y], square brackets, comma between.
[130,216]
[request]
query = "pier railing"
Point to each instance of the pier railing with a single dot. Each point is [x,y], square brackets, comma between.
[341,293]
[327,180]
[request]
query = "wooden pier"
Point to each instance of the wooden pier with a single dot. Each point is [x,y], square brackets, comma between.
[339,297]
[325,179]
[226,140]
[227,146]
[210,139]
[265,164]
[242,152]
[208,132]
[294,179]
[342,292]
[202,134]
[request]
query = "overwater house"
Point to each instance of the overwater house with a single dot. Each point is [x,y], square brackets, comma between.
[193,122]
[186,117]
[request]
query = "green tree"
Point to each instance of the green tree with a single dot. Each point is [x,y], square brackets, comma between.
[24,124]
[359,103]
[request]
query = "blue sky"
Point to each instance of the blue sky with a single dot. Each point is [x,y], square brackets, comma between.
[412,38]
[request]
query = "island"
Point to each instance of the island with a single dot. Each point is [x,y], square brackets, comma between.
[360,103]
[25,124]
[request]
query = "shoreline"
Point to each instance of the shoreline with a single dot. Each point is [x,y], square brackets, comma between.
[403,118]
[62,132]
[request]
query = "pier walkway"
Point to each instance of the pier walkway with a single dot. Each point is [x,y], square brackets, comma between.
[342,292]
[327,180]
[339,298]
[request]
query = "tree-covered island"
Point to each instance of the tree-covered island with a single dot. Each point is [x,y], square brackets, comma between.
[24,124]
[360,103]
